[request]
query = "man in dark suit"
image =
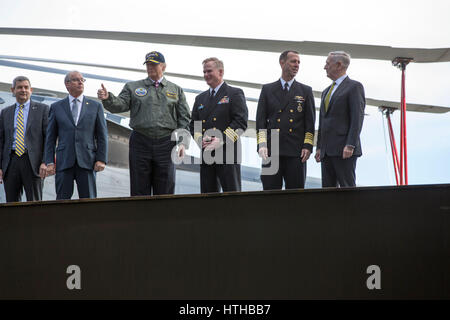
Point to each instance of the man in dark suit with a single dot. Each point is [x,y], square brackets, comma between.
[219,117]
[22,136]
[285,124]
[340,124]
[79,125]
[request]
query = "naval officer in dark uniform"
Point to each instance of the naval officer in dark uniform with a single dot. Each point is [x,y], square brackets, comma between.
[286,109]
[219,117]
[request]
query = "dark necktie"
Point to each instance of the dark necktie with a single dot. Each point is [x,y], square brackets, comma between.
[211,97]
[286,87]
[75,110]
[20,133]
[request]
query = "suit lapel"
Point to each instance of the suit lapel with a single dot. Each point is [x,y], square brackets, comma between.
[31,115]
[322,100]
[66,107]
[337,92]
[10,117]
[277,92]
[202,108]
[84,107]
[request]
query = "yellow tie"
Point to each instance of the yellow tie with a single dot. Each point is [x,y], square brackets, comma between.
[20,133]
[327,98]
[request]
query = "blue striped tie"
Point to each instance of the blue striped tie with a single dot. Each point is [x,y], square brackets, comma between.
[20,133]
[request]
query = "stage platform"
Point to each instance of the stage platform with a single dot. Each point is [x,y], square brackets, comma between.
[296,244]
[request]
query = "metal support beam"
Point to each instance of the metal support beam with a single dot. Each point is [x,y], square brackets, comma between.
[387,111]
[401,63]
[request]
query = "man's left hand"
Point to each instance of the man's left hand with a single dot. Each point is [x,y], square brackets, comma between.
[305,155]
[99,166]
[214,144]
[43,171]
[348,152]
[181,151]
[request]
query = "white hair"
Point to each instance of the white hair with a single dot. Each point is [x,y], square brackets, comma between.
[341,56]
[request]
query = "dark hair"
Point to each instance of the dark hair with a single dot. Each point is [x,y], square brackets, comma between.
[284,54]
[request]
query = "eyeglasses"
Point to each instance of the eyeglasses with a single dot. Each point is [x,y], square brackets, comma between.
[78,80]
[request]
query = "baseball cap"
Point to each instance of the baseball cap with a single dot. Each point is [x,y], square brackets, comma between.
[154,57]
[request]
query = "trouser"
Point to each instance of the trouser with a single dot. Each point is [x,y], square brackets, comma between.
[291,170]
[20,176]
[85,178]
[214,176]
[338,172]
[151,168]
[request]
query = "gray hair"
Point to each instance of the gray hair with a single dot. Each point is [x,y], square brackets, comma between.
[19,79]
[341,56]
[67,77]
[217,62]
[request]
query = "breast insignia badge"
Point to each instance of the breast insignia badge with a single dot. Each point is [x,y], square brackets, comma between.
[140,92]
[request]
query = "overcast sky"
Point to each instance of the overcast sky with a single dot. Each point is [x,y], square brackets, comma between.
[423,24]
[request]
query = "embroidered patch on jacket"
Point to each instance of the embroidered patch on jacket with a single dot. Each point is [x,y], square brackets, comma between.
[172,95]
[140,92]
[224,100]
[200,107]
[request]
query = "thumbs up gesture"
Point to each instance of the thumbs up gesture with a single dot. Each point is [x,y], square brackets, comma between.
[102,93]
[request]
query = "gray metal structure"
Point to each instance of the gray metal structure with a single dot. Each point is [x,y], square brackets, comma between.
[306,47]
[6,60]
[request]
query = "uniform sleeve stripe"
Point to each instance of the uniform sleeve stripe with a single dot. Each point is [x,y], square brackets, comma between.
[261,137]
[309,138]
[231,134]
[262,141]
[229,137]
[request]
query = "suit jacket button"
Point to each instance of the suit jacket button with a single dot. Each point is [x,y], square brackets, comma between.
[203,121]
[291,110]
[290,120]
[278,120]
[281,110]
[204,130]
[214,119]
[278,130]
[290,130]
